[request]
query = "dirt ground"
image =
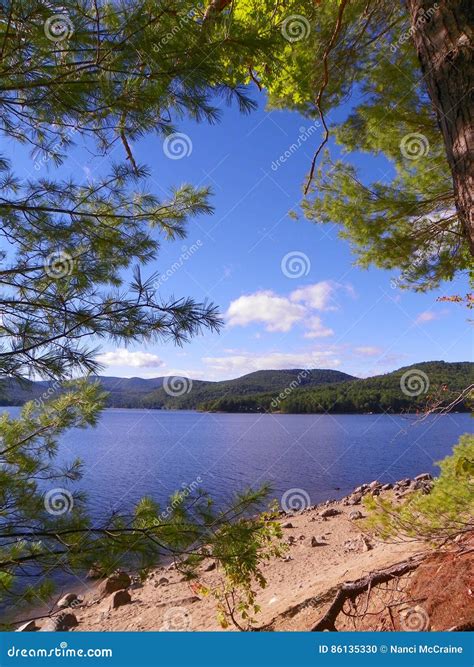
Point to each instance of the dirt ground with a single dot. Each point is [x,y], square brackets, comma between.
[323,553]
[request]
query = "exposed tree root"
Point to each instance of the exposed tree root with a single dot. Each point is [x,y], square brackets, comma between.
[464,627]
[352,589]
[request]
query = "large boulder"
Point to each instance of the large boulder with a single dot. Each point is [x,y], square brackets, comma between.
[424,476]
[355,514]
[120,598]
[116,582]
[60,623]
[355,499]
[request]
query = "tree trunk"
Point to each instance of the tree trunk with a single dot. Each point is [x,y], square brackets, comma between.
[442,33]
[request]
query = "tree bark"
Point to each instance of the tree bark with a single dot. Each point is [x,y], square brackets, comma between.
[442,32]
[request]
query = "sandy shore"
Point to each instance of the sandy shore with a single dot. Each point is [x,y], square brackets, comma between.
[327,546]
[323,552]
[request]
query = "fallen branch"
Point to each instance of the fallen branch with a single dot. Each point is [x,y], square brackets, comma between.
[352,589]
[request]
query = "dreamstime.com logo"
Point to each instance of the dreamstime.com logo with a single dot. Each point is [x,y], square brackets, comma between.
[174,385]
[295,28]
[178,26]
[187,253]
[61,651]
[46,395]
[414,146]
[177,145]
[58,501]
[180,496]
[295,500]
[294,384]
[414,382]
[295,264]
[55,148]
[424,16]
[414,619]
[305,134]
[59,265]
[176,619]
[58,27]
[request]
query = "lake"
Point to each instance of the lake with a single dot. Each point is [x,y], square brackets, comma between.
[132,453]
[310,458]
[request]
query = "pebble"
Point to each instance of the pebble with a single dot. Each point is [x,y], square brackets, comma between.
[331,511]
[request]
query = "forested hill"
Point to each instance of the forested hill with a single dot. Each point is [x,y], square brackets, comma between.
[180,393]
[409,389]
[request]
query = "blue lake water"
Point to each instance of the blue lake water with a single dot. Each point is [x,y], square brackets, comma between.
[132,453]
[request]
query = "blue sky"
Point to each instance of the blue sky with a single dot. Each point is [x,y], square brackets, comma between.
[289,291]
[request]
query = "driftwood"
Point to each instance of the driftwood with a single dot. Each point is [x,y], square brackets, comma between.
[352,589]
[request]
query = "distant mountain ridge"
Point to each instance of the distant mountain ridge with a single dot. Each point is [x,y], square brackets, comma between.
[199,392]
[411,388]
[150,393]
[417,388]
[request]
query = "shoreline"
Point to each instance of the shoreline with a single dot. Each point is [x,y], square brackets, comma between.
[275,412]
[315,563]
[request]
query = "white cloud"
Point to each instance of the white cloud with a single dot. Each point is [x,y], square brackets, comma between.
[316,329]
[319,296]
[429,316]
[186,373]
[236,365]
[281,313]
[276,312]
[123,357]
[368,350]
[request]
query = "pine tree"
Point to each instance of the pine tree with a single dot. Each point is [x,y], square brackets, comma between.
[102,75]
[404,70]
